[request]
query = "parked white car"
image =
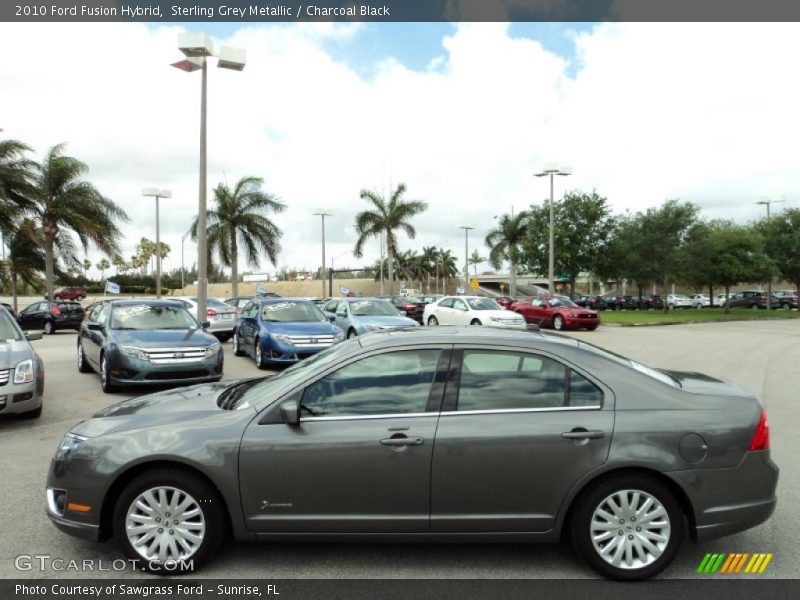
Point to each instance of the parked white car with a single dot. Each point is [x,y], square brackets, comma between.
[700,300]
[678,301]
[471,310]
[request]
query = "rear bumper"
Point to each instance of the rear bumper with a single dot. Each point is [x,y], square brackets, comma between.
[727,501]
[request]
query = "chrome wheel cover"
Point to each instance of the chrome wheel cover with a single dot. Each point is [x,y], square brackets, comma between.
[80,355]
[104,370]
[258,353]
[165,524]
[630,529]
[235,343]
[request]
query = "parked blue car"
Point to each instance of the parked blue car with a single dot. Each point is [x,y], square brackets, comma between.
[357,316]
[282,331]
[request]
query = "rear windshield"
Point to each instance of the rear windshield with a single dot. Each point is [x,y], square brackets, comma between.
[637,366]
[146,316]
[483,304]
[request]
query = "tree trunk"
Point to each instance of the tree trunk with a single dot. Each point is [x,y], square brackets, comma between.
[512,287]
[390,258]
[711,296]
[234,266]
[727,299]
[14,290]
[49,265]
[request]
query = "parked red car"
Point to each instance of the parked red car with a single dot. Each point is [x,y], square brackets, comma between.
[69,293]
[558,312]
[504,301]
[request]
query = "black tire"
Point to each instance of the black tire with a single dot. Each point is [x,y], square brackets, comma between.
[591,500]
[558,323]
[49,328]
[432,321]
[786,306]
[476,322]
[258,354]
[222,337]
[105,376]
[33,414]
[351,333]
[206,498]
[237,347]
[591,328]
[83,365]
[755,307]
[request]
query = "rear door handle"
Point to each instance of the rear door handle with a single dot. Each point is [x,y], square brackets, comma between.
[402,441]
[583,434]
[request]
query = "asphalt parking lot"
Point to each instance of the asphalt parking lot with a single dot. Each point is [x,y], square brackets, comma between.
[759,355]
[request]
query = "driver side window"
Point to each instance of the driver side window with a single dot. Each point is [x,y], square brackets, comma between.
[459,305]
[382,384]
[102,318]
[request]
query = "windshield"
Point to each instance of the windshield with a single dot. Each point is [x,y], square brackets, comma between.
[8,331]
[373,308]
[561,301]
[291,312]
[483,304]
[147,316]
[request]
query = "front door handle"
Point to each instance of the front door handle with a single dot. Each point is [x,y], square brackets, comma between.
[402,441]
[580,433]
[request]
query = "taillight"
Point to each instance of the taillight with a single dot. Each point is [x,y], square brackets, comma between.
[409,306]
[55,310]
[760,439]
[210,312]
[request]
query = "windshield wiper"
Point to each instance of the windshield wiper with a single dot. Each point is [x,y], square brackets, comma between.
[229,398]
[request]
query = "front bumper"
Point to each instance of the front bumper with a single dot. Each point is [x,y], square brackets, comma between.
[522,325]
[726,501]
[581,322]
[124,371]
[18,398]
[274,352]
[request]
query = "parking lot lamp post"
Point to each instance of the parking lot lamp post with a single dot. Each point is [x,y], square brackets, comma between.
[466,229]
[552,170]
[323,214]
[768,203]
[157,194]
[197,47]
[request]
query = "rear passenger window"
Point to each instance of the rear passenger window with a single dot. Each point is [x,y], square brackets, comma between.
[498,380]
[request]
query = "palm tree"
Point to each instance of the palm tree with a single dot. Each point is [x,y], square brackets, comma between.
[240,220]
[25,257]
[102,266]
[385,218]
[446,267]
[427,263]
[119,263]
[475,259]
[64,203]
[16,177]
[87,264]
[504,243]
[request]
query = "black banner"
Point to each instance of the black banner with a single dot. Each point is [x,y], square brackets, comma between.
[398,10]
[399,589]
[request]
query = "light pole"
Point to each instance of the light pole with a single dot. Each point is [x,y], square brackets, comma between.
[321,213]
[466,229]
[768,203]
[552,170]
[183,269]
[157,194]
[197,47]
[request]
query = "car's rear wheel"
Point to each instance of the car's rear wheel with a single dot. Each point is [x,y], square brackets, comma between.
[558,322]
[259,354]
[237,349]
[49,328]
[433,321]
[754,307]
[785,306]
[628,528]
[169,520]
[105,376]
[83,365]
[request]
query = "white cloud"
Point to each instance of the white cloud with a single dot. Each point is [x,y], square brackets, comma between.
[703,112]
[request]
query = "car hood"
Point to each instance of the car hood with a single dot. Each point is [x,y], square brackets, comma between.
[385,321]
[699,383]
[13,352]
[312,328]
[161,408]
[163,338]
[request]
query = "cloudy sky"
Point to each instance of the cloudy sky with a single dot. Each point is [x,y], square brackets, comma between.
[462,114]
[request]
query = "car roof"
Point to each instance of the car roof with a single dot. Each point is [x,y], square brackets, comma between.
[467,335]
[150,301]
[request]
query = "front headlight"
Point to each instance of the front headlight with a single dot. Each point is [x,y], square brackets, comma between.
[339,336]
[374,327]
[133,352]
[283,339]
[70,442]
[24,372]
[212,350]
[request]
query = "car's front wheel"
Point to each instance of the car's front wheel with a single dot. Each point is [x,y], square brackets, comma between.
[170,521]
[259,354]
[558,322]
[351,334]
[83,365]
[432,321]
[476,322]
[105,376]
[237,348]
[628,528]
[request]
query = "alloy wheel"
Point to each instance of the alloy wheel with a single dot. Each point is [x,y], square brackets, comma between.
[630,529]
[165,524]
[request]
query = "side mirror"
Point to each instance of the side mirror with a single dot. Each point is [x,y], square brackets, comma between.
[403,313]
[33,335]
[331,317]
[290,413]
[94,327]
[205,325]
[341,314]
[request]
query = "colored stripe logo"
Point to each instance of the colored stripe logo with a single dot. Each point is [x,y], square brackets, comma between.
[735,562]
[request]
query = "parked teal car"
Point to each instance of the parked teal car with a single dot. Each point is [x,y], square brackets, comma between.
[357,316]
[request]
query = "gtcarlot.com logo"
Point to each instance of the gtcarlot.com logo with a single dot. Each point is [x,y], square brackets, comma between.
[735,563]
